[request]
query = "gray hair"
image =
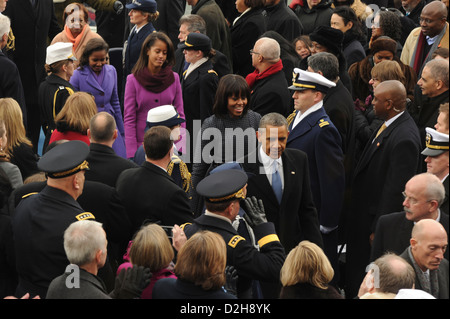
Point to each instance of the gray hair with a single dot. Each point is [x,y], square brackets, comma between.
[5,25]
[195,23]
[434,188]
[439,70]
[325,62]
[273,119]
[82,240]
[269,49]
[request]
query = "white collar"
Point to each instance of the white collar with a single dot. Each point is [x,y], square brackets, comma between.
[300,116]
[193,66]
[267,161]
[207,213]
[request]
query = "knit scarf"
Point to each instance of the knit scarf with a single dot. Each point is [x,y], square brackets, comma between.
[418,58]
[76,41]
[255,76]
[155,83]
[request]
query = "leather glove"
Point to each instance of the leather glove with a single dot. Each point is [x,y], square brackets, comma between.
[118,7]
[254,213]
[130,282]
[232,277]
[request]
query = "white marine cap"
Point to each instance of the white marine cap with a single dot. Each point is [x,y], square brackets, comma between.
[59,51]
[304,80]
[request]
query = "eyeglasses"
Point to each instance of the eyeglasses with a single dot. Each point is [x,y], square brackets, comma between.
[413,201]
[253,52]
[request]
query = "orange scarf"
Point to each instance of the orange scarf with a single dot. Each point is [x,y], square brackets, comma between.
[76,41]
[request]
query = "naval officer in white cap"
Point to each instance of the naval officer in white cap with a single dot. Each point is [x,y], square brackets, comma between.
[312,132]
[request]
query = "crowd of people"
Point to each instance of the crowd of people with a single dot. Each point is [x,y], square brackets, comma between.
[261,150]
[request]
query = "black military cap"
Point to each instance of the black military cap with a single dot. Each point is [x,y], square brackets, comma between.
[223,186]
[196,41]
[65,159]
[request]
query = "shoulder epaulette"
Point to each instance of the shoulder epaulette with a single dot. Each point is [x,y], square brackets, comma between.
[212,71]
[323,123]
[268,239]
[291,117]
[25,196]
[235,240]
[184,225]
[85,215]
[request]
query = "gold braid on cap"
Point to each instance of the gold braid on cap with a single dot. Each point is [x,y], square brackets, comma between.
[238,194]
[82,166]
[434,147]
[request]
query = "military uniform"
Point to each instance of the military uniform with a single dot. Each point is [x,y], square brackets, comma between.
[263,263]
[41,218]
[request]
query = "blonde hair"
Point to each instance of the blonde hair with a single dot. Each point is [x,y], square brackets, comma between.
[202,260]
[388,70]
[77,112]
[151,248]
[11,114]
[307,263]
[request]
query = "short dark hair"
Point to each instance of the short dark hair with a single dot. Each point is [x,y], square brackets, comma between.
[230,85]
[93,45]
[157,142]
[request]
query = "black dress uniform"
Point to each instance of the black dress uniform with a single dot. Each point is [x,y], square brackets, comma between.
[40,220]
[263,264]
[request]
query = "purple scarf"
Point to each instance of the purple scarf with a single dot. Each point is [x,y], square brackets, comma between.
[155,83]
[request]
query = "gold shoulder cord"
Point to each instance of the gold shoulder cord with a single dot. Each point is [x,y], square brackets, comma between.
[184,172]
[11,44]
[291,117]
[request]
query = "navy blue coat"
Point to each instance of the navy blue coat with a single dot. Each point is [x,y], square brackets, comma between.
[317,136]
[133,49]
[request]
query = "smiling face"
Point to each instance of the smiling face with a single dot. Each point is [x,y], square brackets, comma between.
[302,49]
[236,106]
[428,83]
[76,22]
[273,140]
[97,60]
[157,54]
[431,21]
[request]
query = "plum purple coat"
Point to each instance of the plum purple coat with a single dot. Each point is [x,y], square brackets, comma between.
[105,95]
[138,101]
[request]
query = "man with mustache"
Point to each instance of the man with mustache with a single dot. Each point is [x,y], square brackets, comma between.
[423,195]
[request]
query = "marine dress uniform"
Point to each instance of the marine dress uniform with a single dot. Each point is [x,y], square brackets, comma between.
[41,218]
[263,263]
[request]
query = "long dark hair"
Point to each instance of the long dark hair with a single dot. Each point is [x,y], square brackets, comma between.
[230,85]
[142,62]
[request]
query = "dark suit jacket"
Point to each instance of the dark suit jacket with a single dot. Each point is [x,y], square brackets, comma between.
[393,233]
[271,94]
[295,219]
[105,165]
[11,84]
[320,140]
[444,206]
[31,28]
[443,276]
[244,34]
[151,195]
[379,179]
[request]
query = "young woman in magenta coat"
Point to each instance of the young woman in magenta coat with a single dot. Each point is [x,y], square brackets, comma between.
[97,77]
[152,83]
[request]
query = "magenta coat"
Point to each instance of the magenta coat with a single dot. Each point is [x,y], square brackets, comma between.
[106,97]
[138,101]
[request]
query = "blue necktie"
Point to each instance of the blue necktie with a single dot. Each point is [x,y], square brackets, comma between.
[276,182]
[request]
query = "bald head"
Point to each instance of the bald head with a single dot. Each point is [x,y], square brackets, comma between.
[269,49]
[395,91]
[102,128]
[433,18]
[436,7]
[428,228]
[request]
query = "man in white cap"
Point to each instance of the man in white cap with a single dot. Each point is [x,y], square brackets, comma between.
[312,131]
[436,153]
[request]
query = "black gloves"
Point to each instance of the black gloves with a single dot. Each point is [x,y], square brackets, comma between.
[232,277]
[130,282]
[118,7]
[254,212]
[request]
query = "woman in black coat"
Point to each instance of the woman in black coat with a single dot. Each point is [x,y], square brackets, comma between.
[313,13]
[56,88]
[245,30]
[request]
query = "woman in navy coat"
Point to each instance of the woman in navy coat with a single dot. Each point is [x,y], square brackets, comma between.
[98,78]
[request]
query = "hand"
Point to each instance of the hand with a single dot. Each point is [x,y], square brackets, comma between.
[254,212]
[232,277]
[118,7]
[178,237]
[130,282]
